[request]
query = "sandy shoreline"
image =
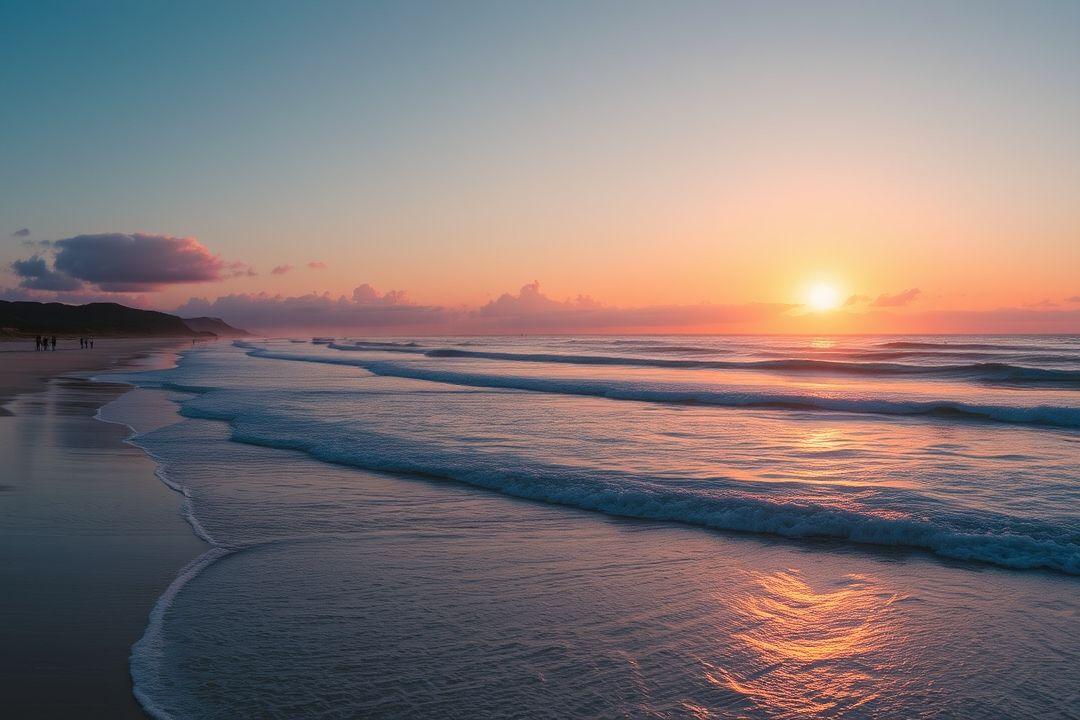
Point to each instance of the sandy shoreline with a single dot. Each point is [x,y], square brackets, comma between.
[23,369]
[89,537]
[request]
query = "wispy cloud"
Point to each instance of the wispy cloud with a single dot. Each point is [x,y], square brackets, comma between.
[885,300]
[317,265]
[281,269]
[900,299]
[21,233]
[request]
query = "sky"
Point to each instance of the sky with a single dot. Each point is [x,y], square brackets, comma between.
[548,166]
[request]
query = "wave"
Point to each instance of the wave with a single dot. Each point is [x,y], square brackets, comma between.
[1047,415]
[914,345]
[381,347]
[998,372]
[618,494]
[148,652]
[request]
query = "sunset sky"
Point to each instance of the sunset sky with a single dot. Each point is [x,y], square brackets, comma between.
[654,166]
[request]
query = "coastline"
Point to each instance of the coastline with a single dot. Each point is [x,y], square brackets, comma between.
[25,370]
[90,536]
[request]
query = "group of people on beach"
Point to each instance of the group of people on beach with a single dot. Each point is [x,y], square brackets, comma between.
[44,342]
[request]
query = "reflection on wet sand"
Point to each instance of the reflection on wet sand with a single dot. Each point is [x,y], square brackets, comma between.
[808,652]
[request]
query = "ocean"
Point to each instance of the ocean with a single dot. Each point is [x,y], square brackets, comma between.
[623,527]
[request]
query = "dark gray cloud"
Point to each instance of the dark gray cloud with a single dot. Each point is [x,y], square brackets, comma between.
[36,274]
[21,233]
[119,262]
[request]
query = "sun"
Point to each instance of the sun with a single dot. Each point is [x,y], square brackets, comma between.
[822,297]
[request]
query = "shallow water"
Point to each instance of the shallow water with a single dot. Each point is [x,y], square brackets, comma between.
[919,564]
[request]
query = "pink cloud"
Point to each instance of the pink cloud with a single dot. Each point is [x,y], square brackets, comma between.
[370,311]
[533,311]
[366,309]
[901,299]
[317,265]
[281,269]
[856,300]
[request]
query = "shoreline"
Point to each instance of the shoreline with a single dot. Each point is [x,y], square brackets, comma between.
[25,370]
[91,536]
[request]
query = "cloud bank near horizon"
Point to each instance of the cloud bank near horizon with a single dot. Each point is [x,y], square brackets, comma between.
[529,310]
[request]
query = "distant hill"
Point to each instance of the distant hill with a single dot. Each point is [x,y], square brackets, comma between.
[215,325]
[100,319]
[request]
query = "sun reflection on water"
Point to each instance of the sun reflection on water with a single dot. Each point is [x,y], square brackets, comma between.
[811,653]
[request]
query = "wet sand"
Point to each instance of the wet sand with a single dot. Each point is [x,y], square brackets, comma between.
[89,537]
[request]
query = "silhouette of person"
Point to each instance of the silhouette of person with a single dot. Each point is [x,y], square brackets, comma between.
[53,342]
[91,343]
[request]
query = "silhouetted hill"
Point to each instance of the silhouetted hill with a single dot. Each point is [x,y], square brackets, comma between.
[215,325]
[100,319]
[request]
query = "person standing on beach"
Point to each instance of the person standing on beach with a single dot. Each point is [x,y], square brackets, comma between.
[91,343]
[53,342]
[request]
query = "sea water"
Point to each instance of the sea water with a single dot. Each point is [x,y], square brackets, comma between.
[619,527]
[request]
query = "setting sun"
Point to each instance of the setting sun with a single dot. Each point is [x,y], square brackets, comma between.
[822,297]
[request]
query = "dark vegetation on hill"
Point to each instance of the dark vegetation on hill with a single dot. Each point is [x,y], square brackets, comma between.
[21,319]
[215,325]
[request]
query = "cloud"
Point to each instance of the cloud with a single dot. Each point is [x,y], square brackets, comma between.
[118,262]
[533,311]
[1044,303]
[21,233]
[999,320]
[1073,299]
[238,269]
[365,309]
[529,310]
[317,265]
[281,269]
[35,274]
[74,297]
[901,299]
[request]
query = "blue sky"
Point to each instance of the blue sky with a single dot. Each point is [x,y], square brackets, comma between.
[642,153]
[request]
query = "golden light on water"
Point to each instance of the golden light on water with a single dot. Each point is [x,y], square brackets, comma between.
[810,651]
